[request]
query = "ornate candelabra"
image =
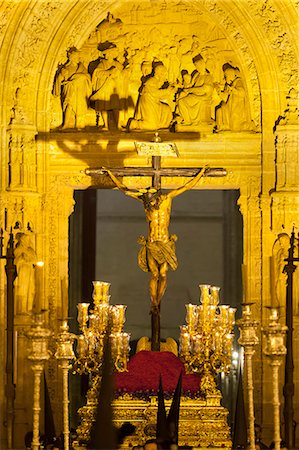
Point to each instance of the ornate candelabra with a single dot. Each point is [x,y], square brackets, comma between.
[65,355]
[104,319]
[248,339]
[39,353]
[275,350]
[206,340]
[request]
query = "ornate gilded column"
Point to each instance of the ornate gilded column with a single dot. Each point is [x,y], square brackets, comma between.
[65,355]
[39,336]
[248,339]
[285,199]
[250,207]
[275,350]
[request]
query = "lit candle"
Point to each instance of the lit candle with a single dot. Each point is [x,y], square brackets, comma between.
[39,285]
[231,316]
[274,315]
[272,281]
[244,283]
[82,314]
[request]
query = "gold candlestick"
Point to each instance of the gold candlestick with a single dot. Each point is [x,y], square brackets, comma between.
[39,353]
[275,350]
[248,339]
[103,320]
[206,341]
[65,355]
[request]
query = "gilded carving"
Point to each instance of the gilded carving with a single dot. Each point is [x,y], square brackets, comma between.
[284,210]
[291,113]
[279,40]
[31,47]
[73,86]
[6,12]
[42,17]
[287,148]
[241,45]
[25,283]
[152,85]
[200,424]
[29,44]
[22,157]
[233,113]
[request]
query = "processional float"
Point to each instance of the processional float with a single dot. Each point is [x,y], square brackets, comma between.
[100,319]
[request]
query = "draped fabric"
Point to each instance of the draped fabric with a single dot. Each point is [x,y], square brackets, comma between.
[144,371]
[161,252]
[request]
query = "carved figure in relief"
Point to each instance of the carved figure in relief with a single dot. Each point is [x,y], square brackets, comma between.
[134,72]
[194,100]
[17,111]
[291,114]
[16,161]
[158,249]
[280,252]
[154,110]
[186,55]
[233,111]
[29,162]
[108,88]
[109,29]
[73,85]
[25,260]
[174,65]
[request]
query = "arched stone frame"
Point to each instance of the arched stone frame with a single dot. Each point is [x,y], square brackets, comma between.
[270,78]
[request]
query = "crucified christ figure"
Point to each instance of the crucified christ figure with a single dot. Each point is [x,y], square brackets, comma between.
[157,253]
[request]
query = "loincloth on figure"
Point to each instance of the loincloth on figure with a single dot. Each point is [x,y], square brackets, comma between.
[160,251]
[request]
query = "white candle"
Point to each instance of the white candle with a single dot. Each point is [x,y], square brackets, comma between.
[39,283]
[272,281]
[244,283]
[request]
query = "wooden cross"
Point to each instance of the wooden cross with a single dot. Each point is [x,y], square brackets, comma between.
[156,150]
[157,172]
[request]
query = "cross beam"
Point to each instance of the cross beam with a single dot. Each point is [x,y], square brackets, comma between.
[157,172]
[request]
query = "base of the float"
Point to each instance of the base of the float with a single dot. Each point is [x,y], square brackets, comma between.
[202,424]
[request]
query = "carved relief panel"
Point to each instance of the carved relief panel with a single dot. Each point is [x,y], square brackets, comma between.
[137,71]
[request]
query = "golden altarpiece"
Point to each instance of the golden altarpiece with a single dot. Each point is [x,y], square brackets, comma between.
[57,121]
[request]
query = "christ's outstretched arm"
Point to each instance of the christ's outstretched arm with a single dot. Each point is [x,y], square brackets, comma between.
[189,185]
[121,186]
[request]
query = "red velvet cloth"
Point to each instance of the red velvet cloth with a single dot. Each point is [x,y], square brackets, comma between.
[144,369]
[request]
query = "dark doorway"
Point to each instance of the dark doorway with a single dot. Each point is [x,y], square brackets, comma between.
[104,230]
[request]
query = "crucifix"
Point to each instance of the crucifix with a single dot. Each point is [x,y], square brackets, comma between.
[157,251]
